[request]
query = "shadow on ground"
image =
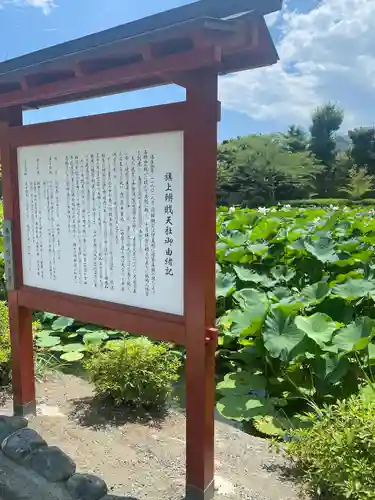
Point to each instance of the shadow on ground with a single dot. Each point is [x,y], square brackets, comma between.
[98,414]
[285,472]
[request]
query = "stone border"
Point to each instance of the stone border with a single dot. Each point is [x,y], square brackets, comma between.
[32,470]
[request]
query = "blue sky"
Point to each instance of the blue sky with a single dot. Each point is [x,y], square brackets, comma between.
[326,49]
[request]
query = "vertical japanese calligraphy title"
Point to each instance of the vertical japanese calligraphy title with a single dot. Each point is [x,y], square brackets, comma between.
[168,211]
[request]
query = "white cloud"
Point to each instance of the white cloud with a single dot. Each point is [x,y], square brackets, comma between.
[272,18]
[325,54]
[45,5]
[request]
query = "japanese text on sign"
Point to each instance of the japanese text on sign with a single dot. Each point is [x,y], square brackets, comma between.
[104,219]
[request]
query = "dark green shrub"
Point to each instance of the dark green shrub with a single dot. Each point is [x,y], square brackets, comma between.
[134,371]
[336,454]
[257,170]
[5,351]
[326,202]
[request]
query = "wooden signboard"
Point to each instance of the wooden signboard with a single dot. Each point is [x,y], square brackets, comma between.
[111,219]
[103,219]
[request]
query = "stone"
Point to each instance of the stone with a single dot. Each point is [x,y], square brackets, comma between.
[86,487]
[8,425]
[51,463]
[22,443]
[18,482]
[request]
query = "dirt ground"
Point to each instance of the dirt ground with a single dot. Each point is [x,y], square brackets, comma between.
[142,457]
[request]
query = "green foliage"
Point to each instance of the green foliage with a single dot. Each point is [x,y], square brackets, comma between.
[69,340]
[295,139]
[3,291]
[45,364]
[264,169]
[360,183]
[5,366]
[257,169]
[326,120]
[362,151]
[134,371]
[327,202]
[295,307]
[336,452]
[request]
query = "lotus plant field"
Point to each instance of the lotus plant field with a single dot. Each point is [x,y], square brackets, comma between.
[295,308]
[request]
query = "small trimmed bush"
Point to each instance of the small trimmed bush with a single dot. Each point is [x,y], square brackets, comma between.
[5,351]
[134,371]
[336,454]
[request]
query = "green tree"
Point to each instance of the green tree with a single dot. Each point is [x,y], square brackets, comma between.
[339,173]
[295,140]
[362,151]
[359,183]
[256,170]
[326,120]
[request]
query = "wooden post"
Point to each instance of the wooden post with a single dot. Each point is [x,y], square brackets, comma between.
[200,305]
[20,318]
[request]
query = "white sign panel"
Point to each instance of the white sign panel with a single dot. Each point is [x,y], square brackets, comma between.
[104,219]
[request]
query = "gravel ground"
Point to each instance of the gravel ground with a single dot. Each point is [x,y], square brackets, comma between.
[142,457]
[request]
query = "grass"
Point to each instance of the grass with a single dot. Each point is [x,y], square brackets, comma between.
[46,364]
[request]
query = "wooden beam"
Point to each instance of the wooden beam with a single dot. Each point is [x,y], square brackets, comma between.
[163,118]
[158,326]
[194,59]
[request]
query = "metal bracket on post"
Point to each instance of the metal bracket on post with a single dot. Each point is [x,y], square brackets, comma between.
[8,254]
[212,335]
[211,339]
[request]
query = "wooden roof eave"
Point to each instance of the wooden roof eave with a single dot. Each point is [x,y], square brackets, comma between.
[227,45]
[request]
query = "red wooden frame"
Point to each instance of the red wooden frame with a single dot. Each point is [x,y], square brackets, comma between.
[189,46]
[193,60]
[197,117]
